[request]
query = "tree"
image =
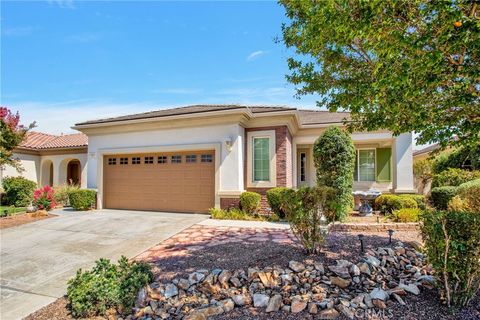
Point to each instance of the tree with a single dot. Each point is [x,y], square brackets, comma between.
[11,136]
[397,65]
[334,157]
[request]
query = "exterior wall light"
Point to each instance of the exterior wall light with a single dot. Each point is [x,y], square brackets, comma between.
[228,143]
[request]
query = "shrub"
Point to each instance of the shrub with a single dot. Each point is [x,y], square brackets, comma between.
[61,194]
[106,286]
[387,203]
[406,215]
[274,198]
[454,177]
[451,243]
[43,198]
[250,202]
[307,209]
[421,200]
[237,214]
[469,193]
[334,156]
[18,191]
[82,199]
[440,196]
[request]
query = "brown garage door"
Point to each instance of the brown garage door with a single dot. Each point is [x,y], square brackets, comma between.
[177,182]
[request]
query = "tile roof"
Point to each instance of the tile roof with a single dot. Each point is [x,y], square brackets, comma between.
[306,116]
[42,141]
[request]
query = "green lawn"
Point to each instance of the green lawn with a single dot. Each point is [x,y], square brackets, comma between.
[11,210]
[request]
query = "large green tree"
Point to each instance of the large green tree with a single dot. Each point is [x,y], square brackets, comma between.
[398,65]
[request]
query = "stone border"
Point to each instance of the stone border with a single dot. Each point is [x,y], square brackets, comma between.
[375,227]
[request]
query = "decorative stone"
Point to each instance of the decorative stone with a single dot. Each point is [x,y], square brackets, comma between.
[296,266]
[379,304]
[170,290]
[183,284]
[340,271]
[398,299]
[298,305]
[371,260]
[411,288]
[364,268]
[312,308]
[328,314]
[274,303]
[241,299]
[379,294]
[267,279]
[260,300]
[227,305]
[195,277]
[340,282]
[354,270]
[224,277]
[319,267]
[141,298]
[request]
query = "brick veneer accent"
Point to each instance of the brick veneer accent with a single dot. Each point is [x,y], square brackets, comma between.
[284,163]
[228,203]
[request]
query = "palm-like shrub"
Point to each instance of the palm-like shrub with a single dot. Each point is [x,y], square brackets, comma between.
[334,156]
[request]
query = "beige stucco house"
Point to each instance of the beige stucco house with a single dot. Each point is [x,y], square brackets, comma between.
[193,158]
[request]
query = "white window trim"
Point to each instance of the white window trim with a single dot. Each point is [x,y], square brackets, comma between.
[273,157]
[374,168]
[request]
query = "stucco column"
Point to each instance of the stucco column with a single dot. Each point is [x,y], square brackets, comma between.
[83,173]
[403,160]
[57,172]
[294,163]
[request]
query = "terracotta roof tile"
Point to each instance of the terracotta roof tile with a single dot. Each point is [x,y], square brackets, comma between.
[39,140]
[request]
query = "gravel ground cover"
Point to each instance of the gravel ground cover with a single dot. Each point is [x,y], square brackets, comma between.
[233,248]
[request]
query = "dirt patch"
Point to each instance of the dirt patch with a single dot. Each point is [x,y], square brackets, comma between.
[19,219]
[54,311]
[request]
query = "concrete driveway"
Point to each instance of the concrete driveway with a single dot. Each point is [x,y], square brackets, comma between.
[38,258]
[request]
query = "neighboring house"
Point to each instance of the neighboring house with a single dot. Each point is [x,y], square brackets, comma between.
[51,160]
[424,153]
[193,158]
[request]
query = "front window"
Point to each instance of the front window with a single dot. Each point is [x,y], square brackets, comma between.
[366,165]
[261,159]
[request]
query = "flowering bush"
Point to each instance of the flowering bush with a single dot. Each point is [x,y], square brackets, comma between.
[43,198]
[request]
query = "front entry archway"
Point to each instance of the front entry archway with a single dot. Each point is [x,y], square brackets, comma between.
[73,172]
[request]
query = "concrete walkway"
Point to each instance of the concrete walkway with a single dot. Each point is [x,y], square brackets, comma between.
[38,258]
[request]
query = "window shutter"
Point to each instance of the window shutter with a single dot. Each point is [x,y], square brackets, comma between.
[384,164]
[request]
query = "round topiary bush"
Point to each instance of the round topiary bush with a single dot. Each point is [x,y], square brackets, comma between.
[82,199]
[250,202]
[334,156]
[387,203]
[274,198]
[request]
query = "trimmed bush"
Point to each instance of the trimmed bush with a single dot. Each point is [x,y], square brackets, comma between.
[462,158]
[107,285]
[451,242]
[18,191]
[406,215]
[387,203]
[82,199]
[62,192]
[274,198]
[250,202]
[237,214]
[469,193]
[454,177]
[441,196]
[421,200]
[334,156]
[307,209]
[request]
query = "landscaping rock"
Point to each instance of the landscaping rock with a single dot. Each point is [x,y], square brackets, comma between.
[274,303]
[328,314]
[340,282]
[170,290]
[242,299]
[298,306]
[260,300]
[411,288]
[379,294]
[296,266]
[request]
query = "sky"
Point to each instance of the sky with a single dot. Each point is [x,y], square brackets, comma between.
[64,62]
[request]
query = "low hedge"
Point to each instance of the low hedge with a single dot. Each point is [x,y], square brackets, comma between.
[274,198]
[468,197]
[18,191]
[406,215]
[421,200]
[387,203]
[441,196]
[250,202]
[82,199]
[454,177]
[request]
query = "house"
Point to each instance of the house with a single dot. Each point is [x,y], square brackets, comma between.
[51,160]
[425,153]
[190,159]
